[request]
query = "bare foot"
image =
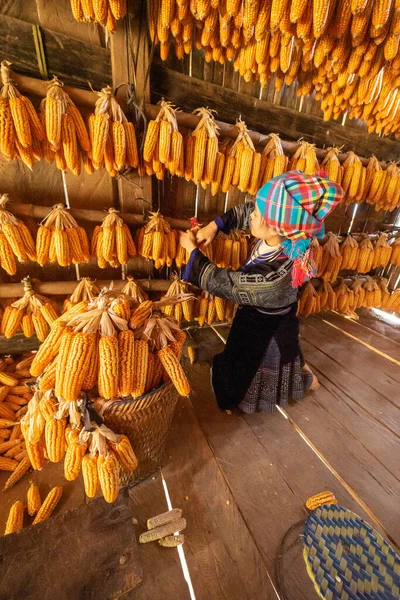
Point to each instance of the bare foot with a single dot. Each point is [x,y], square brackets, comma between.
[315,385]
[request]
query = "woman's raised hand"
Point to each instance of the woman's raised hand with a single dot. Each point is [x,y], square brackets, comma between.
[206,234]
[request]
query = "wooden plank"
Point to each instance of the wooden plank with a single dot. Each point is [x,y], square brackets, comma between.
[389,331]
[216,537]
[381,375]
[86,62]
[378,341]
[369,417]
[89,552]
[266,501]
[373,483]
[189,93]
[162,572]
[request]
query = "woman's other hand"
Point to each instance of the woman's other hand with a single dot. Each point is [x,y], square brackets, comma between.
[206,234]
[188,240]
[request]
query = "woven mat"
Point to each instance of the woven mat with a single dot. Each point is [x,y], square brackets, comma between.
[347,559]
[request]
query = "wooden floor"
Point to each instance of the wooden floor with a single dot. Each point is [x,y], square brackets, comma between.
[242,481]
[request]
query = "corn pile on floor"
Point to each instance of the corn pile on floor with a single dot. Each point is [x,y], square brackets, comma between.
[242,481]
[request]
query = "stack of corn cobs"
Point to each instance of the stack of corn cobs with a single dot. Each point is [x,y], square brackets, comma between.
[100,12]
[345,51]
[32,313]
[112,241]
[16,242]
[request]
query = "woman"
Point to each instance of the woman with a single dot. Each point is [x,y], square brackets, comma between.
[262,364]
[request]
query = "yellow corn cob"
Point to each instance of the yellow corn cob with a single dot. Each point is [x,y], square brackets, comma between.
[125,454]
[199,155]
[189,157]
[7,131]
[34,501]
[119,144]
[100,8]
[41,326]
[21,121]
[140,314]
[132,156]
[13,236]
[18,473]
[70,144]
[7,257]
[7,379]
[48,350]
[11,321]
[15,520]
[49,312]
[150,372]
[211,155]
[127,362]
[27,325]
[118,8]
[108,367]
[90,475]
[164,141]
[229,170]
[151,140]
[54,439]
[62,247]
[49,503]
[219,308]
[174,370]
[73,456]
[141,360]
[107,468]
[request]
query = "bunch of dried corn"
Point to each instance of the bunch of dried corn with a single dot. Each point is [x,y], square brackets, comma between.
[344,298]
[210,309]
[67,140]
[230,251]
[178,310]
[331,259]
[243,164]
[112,241]
[373,293]
[202,150]
[32,313]
[327,296]
[21,131]
[390,198]
[350,252]
[33,426]
[112,136]
[332,165]
[157,241]
[395,256]
[60,239]
[102,12]
[16,242]
[382,252]
[134,292]
[305,159]
[365,256]
[310,301]
[394,301]
[273,162]
[358,295]
[385,294]
[85,291]
[163,146]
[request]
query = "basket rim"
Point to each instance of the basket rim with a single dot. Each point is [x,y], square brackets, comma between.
[129,400]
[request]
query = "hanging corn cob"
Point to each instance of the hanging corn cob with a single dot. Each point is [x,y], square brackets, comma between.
[112,241]
[358,295]
[305,159]
[373,294]
[21,131]
[309,302]
[67,139]
[366,256]
[385,294]
[163,146]
[352,178]
[16,242]
[101,12]
[382,252]
[332,165]
[230,251]
[160,242]
[210,309]
[395,256]
[344,298]
[349,252]
[273,161]
[32,313]
[331,259]
[112,136]
[178,310]
[327,296]
[85,291]
[61,240]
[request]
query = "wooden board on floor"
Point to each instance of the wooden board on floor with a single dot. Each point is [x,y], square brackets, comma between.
[162,572]
[89,552]
[378,341]
[368,477]
[368,320]
[265,499]
[223,559]
[382,375]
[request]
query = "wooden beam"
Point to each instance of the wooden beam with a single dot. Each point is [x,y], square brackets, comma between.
[189,93]
[38,87]
[93,216]
[74,61]
[65,288]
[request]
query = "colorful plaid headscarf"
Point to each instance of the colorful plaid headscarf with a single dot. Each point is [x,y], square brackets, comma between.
[296,205]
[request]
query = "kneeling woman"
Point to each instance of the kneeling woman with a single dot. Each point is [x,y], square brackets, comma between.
[262,364]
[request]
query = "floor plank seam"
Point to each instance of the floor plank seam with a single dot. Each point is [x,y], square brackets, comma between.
[237,506]
[373,331]
[318,371]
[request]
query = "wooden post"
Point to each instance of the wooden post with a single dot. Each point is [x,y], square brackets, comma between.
[129,63]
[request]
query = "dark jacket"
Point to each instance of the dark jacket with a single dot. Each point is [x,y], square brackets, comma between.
[263,284]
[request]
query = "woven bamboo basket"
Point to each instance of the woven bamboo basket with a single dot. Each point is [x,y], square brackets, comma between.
[146,422]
